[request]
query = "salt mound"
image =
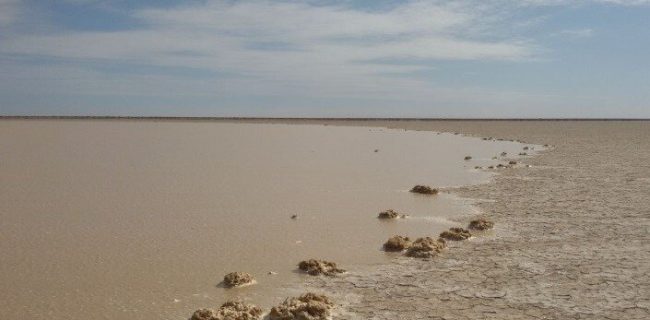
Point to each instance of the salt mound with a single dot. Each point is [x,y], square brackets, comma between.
[424,190]
[231,310]
[480,224]
[390,214]
[397,243]
[425,248]
[309,306]
[317,267]
[456,234]
[204,314]
[236,279]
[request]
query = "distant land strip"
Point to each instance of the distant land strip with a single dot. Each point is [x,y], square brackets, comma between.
[171,118]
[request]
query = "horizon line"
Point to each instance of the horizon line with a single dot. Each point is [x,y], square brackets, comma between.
[208,118]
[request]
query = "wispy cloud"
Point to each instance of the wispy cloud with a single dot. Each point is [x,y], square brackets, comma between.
[333,50]
[278,46]
[224,31]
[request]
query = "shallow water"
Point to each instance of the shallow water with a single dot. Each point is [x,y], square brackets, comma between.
[141,219]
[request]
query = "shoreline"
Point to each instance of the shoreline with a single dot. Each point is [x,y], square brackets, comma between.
[557,250]
[305,119]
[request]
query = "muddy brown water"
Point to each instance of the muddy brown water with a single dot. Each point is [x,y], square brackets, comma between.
[108,219]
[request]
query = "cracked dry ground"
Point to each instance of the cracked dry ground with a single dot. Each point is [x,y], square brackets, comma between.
[572,239]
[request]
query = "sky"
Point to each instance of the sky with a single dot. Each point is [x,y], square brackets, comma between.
[339,58]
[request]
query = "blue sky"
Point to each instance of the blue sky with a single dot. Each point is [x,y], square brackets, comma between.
[484,58]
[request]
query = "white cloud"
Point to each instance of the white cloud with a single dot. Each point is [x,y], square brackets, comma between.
[220,29]
[286,42]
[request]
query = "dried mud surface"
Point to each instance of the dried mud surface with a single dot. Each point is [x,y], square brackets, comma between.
[571,239]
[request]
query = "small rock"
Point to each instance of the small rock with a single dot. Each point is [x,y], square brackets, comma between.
[317,267]
[468,158]
[397,243]
[425,247]
[526,148]
[424,190]
[512,162]
[294,217]
[236,279]
[480,224]
[456,234]
[309,306]
[523,154]
[478,167]
[376,150]
[503,154]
